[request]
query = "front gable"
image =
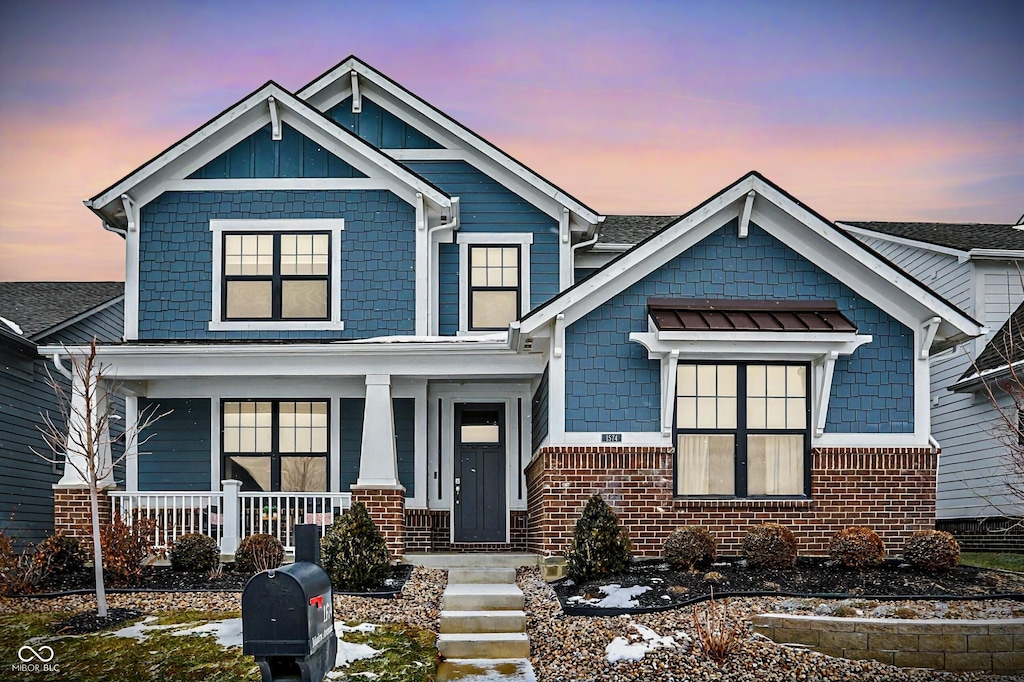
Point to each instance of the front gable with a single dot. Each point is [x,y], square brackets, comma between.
[380,127]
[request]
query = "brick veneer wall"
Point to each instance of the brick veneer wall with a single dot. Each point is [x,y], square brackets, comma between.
[890,490]
[72,514]
[429,530]
[387,509]
[985,535]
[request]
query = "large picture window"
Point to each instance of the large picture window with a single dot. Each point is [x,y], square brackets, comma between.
[276,445]
[276,276]
[742,430]
[494,286]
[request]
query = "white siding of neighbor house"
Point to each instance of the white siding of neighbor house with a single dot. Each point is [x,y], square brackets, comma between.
[971,475]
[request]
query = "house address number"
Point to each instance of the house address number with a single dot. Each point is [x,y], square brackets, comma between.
[611,437]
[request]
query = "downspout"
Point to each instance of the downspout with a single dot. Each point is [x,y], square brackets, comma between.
[934,443]
[60,366]
[575,247]
[453,226]
[115,230]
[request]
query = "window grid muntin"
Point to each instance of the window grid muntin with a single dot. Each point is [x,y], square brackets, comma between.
[275,454]
[307,256]
[497,268]
[742,431]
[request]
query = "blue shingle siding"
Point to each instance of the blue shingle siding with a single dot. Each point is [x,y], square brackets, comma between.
[379,127]
[293,156]
[378,253]
[612,386]
[351,440]
[106,326]
[177,454]
[405,442]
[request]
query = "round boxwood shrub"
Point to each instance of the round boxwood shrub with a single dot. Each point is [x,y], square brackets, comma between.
[599,547]
[932,550]
[856,547]
[690,547]
[258,552]
[770,545]
[354,552]
[195,553]
[61,553]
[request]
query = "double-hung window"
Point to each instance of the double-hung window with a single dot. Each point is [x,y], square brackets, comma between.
[742,429]
[494,286]
[276,445]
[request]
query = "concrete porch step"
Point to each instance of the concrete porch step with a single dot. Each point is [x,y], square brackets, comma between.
[482,597]
[489,670]
[482,621]
[472,560]
[484,645]
[492,576]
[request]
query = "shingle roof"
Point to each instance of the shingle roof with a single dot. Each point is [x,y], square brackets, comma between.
[1005,348]
[959,236]
[38,306]
[631,229]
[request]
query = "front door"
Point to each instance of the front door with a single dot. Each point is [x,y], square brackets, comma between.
[479,507]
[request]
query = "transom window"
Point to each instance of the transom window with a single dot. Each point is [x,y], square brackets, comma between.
[494,286]
[742,429]
[276,445]
[276,276]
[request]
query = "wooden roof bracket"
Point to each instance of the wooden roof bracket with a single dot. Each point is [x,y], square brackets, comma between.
[823,368]
[275,120]
[928,331]
[130,210]
[748,206]
[357,97]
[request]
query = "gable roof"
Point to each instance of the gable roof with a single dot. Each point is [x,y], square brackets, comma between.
[38,307]
[234,124]
[891,288]
[1005,348]
[631,229]
[315,92]
[957,236]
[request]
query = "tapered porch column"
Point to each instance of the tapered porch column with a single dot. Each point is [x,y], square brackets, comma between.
[378,486]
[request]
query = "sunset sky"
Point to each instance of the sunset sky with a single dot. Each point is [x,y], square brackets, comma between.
[863,110]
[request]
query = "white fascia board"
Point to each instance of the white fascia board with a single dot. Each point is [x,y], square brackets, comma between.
[995,254]
[977,381]
[318,93]
[903,241]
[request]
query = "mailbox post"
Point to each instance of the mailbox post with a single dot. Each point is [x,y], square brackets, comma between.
[288,616]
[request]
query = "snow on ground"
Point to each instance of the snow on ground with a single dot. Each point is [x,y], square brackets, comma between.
[616,596]
[228,631]
[621,649]
[141,630]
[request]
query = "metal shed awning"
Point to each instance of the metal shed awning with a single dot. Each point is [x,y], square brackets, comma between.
[690,315]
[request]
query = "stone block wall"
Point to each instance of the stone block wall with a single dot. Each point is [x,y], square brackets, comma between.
[891,490]
[985,645]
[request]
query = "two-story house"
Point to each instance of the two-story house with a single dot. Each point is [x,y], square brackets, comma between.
[978,268]
[343,294]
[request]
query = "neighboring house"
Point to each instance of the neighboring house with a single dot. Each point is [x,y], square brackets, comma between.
[34,314]
[345,295]
[978,268]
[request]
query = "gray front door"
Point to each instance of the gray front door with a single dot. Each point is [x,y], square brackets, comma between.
[479,512]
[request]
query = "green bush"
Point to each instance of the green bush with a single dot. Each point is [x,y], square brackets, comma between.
[932,550]
[195,553]
[690,547]
[61,553]
[354,552]
[770,545]
[856,547]
[258,552]
[599,547]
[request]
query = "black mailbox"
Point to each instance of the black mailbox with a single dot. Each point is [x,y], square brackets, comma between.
[288,616]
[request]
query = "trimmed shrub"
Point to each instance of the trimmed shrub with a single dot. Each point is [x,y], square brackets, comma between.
[61,553]
[856,547]
[195,553]
[258,552]
[127,548]
[599,547]
[932,550]
[354,552]
[770,545]
[690,547]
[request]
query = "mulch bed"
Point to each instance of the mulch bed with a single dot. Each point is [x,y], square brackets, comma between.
[812,576]
[88,622]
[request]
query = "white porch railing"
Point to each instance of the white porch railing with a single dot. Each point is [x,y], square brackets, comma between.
[230,515]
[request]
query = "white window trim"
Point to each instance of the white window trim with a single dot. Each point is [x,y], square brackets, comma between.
[465,239]
[333,225]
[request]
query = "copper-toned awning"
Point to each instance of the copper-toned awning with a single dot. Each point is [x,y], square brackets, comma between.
[692,315]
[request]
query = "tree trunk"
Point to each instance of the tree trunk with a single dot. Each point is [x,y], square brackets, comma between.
[97,553]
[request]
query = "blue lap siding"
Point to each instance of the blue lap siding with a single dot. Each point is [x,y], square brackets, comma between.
[612,386]
[352,410]
[176,455]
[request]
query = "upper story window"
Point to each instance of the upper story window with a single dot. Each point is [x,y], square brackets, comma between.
[494,279]
[742,430]
[494,286]
[276,274]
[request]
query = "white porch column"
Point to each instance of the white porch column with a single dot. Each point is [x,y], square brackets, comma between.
[230,516]
[76,456]
[378,460]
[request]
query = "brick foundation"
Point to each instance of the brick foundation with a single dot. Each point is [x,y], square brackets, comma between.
[386,507]
[72,514]
[429,530]
[999,534]
[890,490]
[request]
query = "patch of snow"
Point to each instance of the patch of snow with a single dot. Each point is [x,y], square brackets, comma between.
[14,327]
[468,338]
[141,630]
[349,652]
[618,597]
[362,627]
[228,631]
[621,649]
[665,596]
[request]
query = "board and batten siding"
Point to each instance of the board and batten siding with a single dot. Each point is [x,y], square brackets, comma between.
[176,455]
